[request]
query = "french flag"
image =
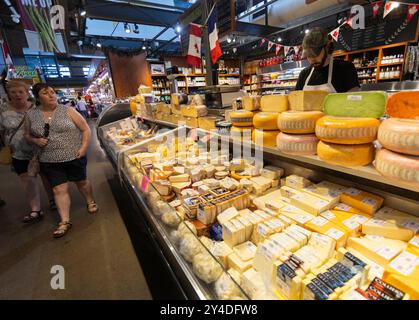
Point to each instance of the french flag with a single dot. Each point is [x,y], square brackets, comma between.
[215,47]
[194,51]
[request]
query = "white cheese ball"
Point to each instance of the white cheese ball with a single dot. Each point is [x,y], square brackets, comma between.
[186,228]
[171,218]
[207,242]
[206,267]
[226,289]
[189,247]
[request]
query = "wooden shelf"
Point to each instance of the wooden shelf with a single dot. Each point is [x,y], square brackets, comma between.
[391,64]
[159,75]
[366,67]
[370,77]
[273,88]
[228,75]
[159,95]
[394,78]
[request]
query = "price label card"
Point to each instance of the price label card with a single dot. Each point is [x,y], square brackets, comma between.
[319,221]
[415,241]
[412,225]
[343,207]
[405,263]
[377,222]
[370,201]
[360,218]
[353,97]
[302,218]
[351,223]
[334,233]
[144,183]
[352,191]
[387,252]
[328,215]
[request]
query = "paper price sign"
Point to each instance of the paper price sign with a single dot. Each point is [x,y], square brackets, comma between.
[144,183]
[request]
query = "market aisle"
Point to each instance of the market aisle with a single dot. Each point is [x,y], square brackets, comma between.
[97,254]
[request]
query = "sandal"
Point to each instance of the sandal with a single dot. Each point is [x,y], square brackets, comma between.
[38,215]
[63,228]
[92,207]
[52,205]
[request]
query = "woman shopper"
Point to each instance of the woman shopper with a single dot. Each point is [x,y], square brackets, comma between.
[62,136]
[12,131]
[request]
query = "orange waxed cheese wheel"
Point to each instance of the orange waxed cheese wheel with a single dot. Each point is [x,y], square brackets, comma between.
[268,137]
[266,120]
[346,155]
[404,104]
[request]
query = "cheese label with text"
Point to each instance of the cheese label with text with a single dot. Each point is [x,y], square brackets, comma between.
[405,263]
[334,233]
[387,252]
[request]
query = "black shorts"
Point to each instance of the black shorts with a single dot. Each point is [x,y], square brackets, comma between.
[62,172]
[20,166]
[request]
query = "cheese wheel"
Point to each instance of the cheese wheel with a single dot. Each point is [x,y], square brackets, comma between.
[274,103]
[266,121]
[370,104]
[268,137]
[241,118]
[241,133]
[298,144]
[298,122]
[347,130]
[307,100]
[346,155]
[400,135]
[397,166]
[251,103]
[404,104]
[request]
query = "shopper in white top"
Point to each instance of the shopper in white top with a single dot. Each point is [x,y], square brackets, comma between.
[82,108]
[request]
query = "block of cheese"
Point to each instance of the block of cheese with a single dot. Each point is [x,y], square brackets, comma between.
[362,200]
[369,104]
[242,118]
[238,264]
[325,190]
[413,245]
[179,178]
[381,253]
[392,224]
[400,135]
[297,122]
[398,167]
[221,251]
[263,182]
[266,120]
[346,208]
[241,133]
[323,244]
[346,155]
[299,216]
[404,105]
[261,232]
[274,103]
[346,130]
[194,111]
[207,123]
[272,197]
[241,231]
[324,226]
[264,138]
[251,103]
[403,273]
[298,144]
[246,251]
[177,187]
[287,283]
[307,100]
[267,253]
[252,283]
[350,222]
[297,182]
[248,226]
[311,204]
[232,233]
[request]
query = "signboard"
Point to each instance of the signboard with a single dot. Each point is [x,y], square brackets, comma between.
[23,72]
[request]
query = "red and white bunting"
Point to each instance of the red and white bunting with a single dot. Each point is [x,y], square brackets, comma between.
[297,49]
[375,7]
[411,11]
[270,45]
[286,50]
[277,49]
[335,34]
[349,22]
[262,42]
[389,6]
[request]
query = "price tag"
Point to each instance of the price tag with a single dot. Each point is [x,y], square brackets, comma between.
[374,237]
[415,241]
[412,225]
[144,183]
[328,215]
[353,97]
[351,223]
[360,218]
[302,218]
[370,201]
[319,221]
[405,263]
[343,207]
[352,191]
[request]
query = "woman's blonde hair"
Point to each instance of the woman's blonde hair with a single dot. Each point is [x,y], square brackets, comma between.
[17,84]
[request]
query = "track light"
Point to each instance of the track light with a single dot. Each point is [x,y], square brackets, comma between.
[279,39]
[127,28]
[307,31]
[136,29]
[229,40]
[83,13]
[144,48]
[99,45]
[178,29]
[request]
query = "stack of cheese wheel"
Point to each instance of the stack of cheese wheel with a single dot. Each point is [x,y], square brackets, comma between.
[349,128]
[242,128]
[266,121]
[399,136]
[297,126]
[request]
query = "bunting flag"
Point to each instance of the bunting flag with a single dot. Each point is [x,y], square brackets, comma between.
[277,49]
[411,11]
[349,21]
[375,7]
[297,49]
[270,45]
[6,54]
[335,34]
[262,42]
[286,50]
[389,6]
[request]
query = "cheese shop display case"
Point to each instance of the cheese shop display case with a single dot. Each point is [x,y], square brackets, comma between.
[326,208]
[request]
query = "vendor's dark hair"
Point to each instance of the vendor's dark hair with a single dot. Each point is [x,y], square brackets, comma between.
[36,89]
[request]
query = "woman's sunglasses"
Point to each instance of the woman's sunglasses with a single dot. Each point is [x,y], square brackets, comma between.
[46,130]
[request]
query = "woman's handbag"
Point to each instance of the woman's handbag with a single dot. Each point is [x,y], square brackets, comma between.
[6,151]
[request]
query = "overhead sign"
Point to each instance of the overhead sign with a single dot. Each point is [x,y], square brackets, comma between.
[23,72]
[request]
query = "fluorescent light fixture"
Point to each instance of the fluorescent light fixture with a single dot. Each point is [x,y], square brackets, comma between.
[99,45]
[83,13]
[144,48]
[178,29]
[279,39]
[229,40]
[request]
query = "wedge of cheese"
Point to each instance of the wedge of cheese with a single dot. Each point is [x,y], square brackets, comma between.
[307,100]
[238,264]
[325,190]
[350,222]
[299,216]
[252,283]
[311,204]
[370,104]
[362,200]
[246,251]
[273,198]
[297,182]
[251,103]
[194,111]
[325,227]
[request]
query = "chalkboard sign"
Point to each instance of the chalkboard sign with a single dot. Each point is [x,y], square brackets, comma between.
[378,33]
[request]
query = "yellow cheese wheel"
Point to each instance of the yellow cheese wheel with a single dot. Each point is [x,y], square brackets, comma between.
[266,120]
[268,137]
[298,122]
[241,118]
[241,133]
[346,155]
[307,100]
[251,103]
[274,103]
[344,130]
